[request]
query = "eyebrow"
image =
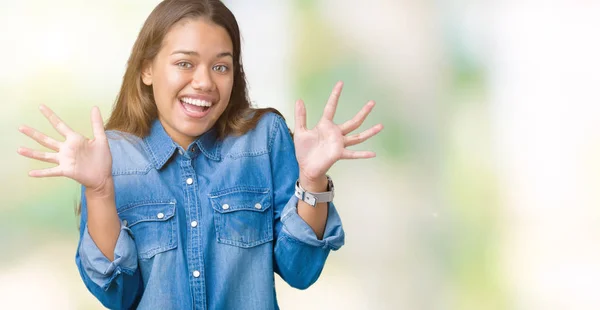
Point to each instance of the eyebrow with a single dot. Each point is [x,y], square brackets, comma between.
[193,53]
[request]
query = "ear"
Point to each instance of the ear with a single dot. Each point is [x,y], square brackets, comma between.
[147,72]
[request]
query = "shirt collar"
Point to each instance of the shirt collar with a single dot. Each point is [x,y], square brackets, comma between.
[209,144]
[162,147]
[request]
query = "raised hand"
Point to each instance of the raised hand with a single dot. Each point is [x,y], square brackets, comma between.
[87,161]
[319,148]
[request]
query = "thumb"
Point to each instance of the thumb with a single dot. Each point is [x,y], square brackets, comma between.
[97,123]
[300,116]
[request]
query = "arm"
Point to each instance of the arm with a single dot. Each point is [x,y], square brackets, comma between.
[319,148]
[315,217]
[115,281]
[299,256]
[103,222]
[306,234]
[106,256]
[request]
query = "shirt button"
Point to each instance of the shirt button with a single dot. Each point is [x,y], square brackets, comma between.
[125,223]
[160,215]
[180,152]
[189,181]
[258,206]
[193,148]
[194,223]
[196,273]
[225,206]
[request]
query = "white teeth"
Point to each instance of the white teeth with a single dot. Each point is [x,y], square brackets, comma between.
[196,102]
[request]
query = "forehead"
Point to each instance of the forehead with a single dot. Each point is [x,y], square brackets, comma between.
[198,34]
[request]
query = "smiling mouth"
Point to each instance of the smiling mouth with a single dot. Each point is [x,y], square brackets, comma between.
[195,107]
[196,103]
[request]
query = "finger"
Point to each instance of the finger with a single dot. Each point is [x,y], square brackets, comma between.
[349,154]
[56,122]
[351,125]
[97,123]
[331,105]
[363,136]
[40,138]
[49,172]
[300,115]
[43,156]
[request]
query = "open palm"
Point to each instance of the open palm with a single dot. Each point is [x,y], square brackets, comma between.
[319,148]
[87,161]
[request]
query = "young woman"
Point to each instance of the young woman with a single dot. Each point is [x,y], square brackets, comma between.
[192,199]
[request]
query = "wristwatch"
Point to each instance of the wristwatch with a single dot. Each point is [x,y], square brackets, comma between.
[314,198]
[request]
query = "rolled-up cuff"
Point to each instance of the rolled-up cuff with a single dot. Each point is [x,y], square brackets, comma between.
[295,227]
[100,269]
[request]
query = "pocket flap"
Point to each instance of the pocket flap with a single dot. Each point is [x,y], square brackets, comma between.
[145,212]
[242,198]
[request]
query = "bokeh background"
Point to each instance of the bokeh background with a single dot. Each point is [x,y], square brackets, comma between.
[485,190]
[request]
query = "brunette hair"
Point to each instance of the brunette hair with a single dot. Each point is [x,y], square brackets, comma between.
[135,109]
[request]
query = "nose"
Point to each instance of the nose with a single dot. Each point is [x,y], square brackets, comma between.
[202,80]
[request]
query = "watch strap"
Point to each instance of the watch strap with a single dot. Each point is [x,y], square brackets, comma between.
[312,198]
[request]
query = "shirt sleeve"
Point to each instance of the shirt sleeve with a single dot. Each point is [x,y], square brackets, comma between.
[299,255]
[116,284]
[295,227]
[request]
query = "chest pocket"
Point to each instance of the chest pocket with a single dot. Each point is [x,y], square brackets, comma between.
[243,216]
[153,226]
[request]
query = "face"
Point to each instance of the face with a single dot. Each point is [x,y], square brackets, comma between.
[192,78]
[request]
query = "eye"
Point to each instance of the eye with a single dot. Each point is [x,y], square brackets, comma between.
[184,65]
[221,68]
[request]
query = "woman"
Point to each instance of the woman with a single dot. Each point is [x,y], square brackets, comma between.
[192,199]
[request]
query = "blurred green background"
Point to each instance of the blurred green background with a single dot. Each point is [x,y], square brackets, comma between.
[483,195]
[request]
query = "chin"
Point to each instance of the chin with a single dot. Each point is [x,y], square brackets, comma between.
[195,129]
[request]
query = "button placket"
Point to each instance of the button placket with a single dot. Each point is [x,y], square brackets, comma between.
[191,202]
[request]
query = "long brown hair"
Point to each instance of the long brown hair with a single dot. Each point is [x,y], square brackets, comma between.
[135,109]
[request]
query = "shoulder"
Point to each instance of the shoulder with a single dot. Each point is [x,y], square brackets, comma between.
[129,153]
[258,140]
[272,124]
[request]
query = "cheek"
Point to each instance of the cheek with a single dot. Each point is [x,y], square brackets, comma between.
[167,88]
[174,79]
[226,87]
[171,79]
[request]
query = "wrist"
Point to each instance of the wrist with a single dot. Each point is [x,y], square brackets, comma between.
[104,191]
[315,195]
[315,184]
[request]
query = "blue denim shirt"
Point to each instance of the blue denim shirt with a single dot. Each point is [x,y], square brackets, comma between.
[207,227]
